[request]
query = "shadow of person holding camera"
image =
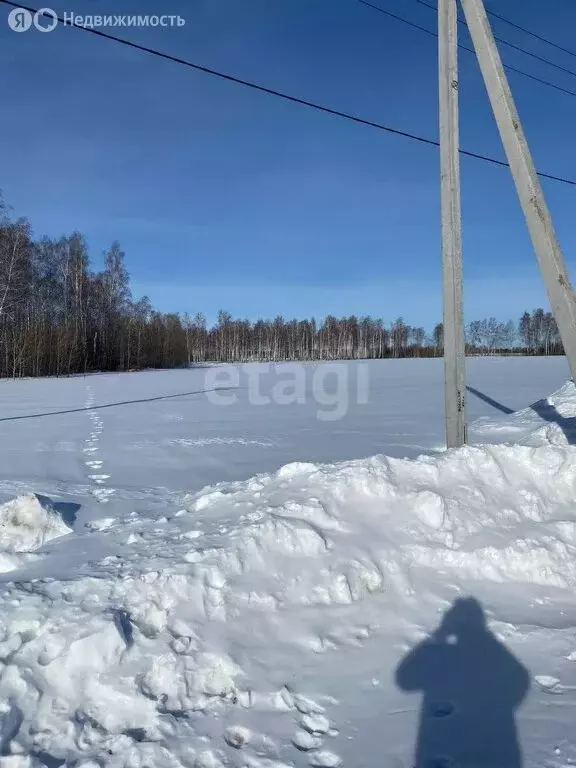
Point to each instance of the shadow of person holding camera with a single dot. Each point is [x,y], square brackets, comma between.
[471,686]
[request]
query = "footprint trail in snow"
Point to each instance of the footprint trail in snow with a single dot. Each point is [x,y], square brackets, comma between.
[91,449]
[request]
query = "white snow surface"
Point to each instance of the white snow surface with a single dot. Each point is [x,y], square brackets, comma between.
[26,524]
[297,617]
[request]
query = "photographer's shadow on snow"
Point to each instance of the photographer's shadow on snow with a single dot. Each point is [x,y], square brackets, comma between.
[471,686]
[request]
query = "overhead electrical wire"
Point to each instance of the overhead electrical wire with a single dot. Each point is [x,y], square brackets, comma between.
[285,96]
[467,48]
[509,44]
[531,33]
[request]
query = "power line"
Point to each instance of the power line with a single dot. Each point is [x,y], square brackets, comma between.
[467,48]
[510,45]
[285,96]
[532,34]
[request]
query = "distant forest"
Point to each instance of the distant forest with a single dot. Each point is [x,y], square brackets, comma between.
[59,317]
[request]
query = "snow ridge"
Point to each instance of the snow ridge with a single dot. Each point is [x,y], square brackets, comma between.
[26,524]
[188,648]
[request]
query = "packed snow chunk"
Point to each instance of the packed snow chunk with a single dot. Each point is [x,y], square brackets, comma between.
[296,468]
[103,524]
[305,741]
[95,649]
[430,509]
[548,683]
[325,759]
[115,711]
[27,523]
[214,675]
[306,706]
[315,723]
[237,736]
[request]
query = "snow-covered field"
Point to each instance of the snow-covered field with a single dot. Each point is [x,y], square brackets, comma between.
[151,434]
[376,611]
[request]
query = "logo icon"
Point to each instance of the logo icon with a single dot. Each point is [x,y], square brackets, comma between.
[45,20]
[19,20]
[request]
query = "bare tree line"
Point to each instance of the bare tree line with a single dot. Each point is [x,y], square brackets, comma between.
[59,317]
[361,338]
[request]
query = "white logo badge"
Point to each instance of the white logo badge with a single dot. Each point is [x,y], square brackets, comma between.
[19,20]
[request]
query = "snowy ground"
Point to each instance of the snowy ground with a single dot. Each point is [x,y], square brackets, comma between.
[284,616]
[143,436]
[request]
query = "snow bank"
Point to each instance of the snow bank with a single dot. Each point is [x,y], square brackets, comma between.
[225,633]
[551,421]
[26,524]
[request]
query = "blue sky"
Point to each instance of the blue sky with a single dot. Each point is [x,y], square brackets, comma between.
[227,198]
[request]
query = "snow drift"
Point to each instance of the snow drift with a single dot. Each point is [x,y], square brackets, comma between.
[26,524]
[227,632]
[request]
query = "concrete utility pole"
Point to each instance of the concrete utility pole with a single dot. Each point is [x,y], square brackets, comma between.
[454,349]
[544,240]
